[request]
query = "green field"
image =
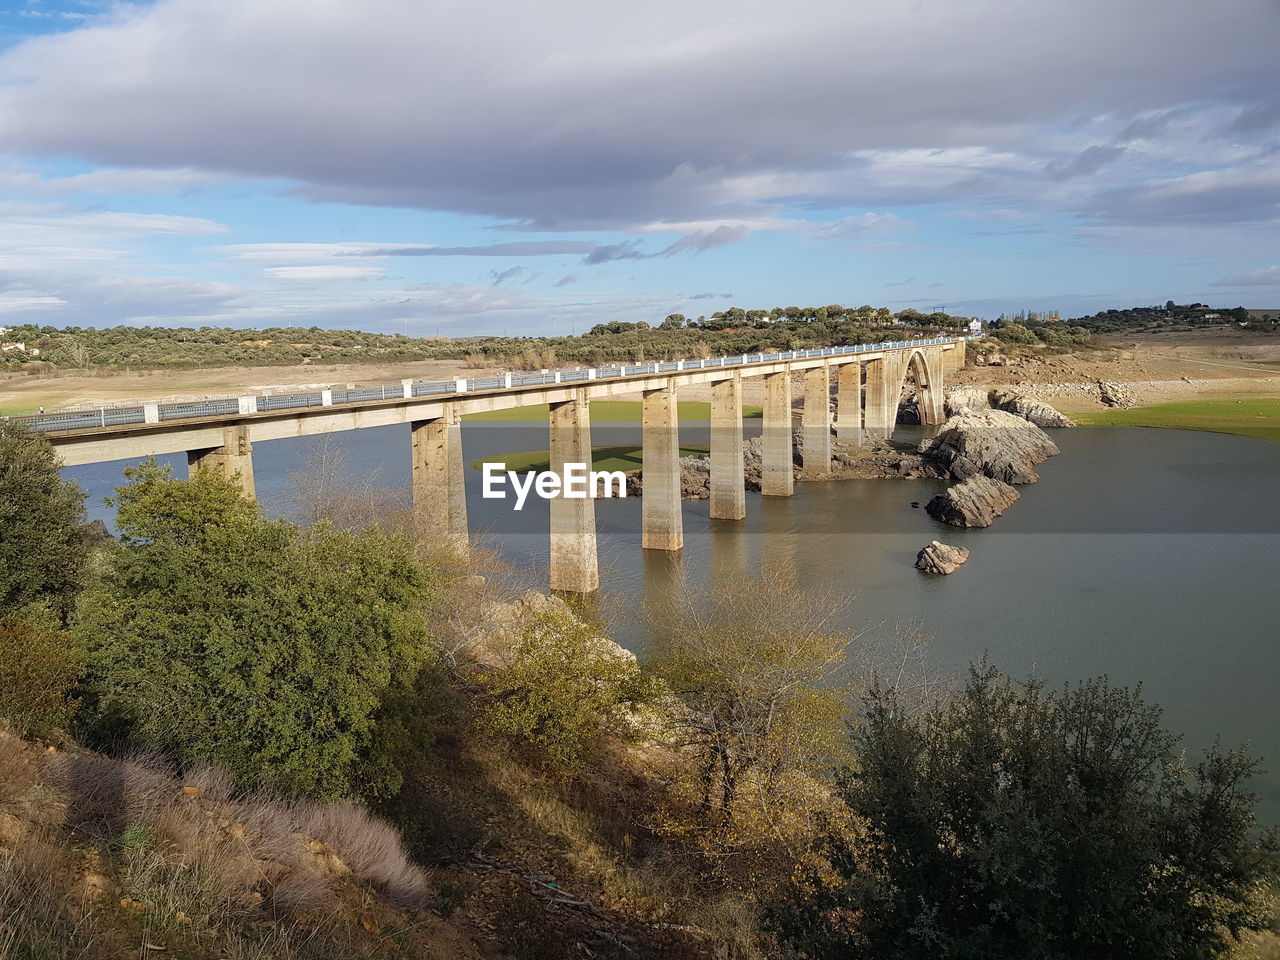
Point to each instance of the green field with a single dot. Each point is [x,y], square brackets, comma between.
[609,410]
[1247,416]
[602,458]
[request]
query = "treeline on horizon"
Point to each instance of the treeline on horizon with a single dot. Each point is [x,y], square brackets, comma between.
[731,331]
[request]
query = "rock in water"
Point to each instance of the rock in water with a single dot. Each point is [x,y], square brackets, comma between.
[975,503]
[941,558]
[1041,414]
[992,443]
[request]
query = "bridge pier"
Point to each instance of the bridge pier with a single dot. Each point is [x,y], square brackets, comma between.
[778,477]
[931,398]
[815,452]
[879,416]
[574,568]
[234,459]
[439,479]
[849,403]
[663,527]
[728,486]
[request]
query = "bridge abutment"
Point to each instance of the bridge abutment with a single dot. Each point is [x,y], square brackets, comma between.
[777,476]
[663,527]
[234,459]
[728,486]
[574,568]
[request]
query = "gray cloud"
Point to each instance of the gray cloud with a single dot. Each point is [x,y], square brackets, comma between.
[711,296]
[706,240]
[636,121]
[901,283]
[498,277]
[1087,162]
[567,279]
[1262,277]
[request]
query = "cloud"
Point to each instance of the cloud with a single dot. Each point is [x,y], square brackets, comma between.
[706,240]
[567,279]
[901,283]
[1247,194]
[1262,277]
[322,272]
[599,120]
[11,303]
[710,296]
[605,252]
[498,277]
[1089,161]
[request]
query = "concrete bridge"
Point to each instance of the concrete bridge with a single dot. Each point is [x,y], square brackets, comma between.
[220,434]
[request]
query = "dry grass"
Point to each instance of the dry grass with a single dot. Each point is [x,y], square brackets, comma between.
[97,853]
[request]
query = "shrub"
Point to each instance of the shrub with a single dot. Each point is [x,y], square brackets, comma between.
[1014,822]
[220,636]
[42,549]
[563,687]
[38,668]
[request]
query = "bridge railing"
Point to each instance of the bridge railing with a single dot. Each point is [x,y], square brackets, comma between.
[122,415]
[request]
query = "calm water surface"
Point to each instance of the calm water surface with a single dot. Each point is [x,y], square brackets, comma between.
[1151,556]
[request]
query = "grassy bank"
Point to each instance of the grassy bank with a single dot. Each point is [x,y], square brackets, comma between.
[630,410]
[602,458]
[1246,416]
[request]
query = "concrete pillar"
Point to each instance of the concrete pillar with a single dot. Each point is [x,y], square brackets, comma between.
[877,416]
[662,524]
[778,478]
[574,567]
[849,403]
[931,393]
[234,459]
[728,487]
[815,452]
[406,388]
[439,479]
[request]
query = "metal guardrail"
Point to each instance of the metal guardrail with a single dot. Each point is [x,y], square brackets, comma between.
[115,416]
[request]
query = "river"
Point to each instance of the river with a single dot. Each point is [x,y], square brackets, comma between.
[1150,556]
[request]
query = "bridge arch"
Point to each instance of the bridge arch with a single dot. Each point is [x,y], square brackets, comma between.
[925,367]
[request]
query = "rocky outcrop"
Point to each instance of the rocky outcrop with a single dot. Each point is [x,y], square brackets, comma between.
[1114,395]
[941,558]
[974,503]
[909,406]
[878,459]
[993,443]
[966,400]
[1035,411]
[501,624]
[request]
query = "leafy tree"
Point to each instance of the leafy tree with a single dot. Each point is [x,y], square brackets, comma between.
[38,668]
[1011,332]
[273,651]
[563,687]
[674,321]
[42,549]
[1014,822]
[751,663]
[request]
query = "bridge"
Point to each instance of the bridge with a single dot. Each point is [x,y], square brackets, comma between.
[219,434]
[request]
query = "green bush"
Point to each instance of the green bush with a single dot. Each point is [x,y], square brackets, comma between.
[271,650]
[38,669]
[1013,822]
[42,550]
[562,689]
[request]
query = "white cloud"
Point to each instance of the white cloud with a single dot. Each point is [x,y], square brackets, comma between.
[1262,277]
[10,303]
[322,272]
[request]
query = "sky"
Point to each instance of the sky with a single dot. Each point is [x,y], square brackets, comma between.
[463,167]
